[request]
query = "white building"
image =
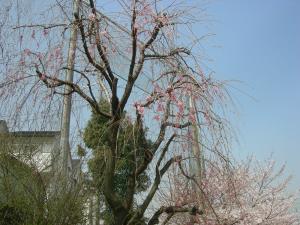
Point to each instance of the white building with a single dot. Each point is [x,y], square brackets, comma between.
[39,148]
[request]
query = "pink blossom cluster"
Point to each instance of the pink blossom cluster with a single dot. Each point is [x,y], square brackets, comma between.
[147,17]
[247,194]
[139,108]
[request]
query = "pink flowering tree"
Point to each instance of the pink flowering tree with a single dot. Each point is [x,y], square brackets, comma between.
[249,193]
[146,64]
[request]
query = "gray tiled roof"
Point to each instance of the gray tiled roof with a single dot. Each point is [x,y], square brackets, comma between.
[35,133]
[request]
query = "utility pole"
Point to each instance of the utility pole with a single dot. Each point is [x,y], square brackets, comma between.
[196,164]
[65,152]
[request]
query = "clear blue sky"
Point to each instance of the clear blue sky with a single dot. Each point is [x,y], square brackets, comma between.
[258,43]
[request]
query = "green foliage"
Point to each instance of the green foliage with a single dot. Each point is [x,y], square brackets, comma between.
[12,216]
[80,151]
[26,196]
[22,193]
[66,207]
[131,140]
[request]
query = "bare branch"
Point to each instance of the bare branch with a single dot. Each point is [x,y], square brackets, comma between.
[173,52]
[87,53]
[158,176]
[172,210]
[136,72]
[44,26]
[99,45]
[55,82]
[179,126]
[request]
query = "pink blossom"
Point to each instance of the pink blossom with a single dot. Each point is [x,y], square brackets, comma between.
[163,19]
[156,117]
[177,125]
[136,26]
[207,117]
[92,17]
[22,61]
[160,108]
[149,98]
[27,51]
[157,89]
[45,32]
[104,33]
[180,106]
[140,109]
[192,117]
[43,77]
[172,96]
[57,52]
[40,55]
[50,56]
[179,116]
[180,78]
[236,195]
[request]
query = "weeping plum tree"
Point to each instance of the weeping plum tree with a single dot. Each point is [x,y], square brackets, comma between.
[144,59]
